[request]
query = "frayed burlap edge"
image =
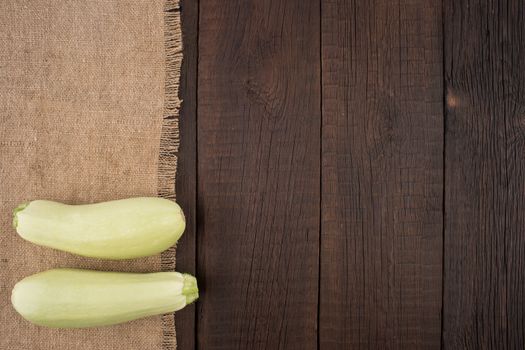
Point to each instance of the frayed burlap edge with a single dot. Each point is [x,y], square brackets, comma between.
[169,139]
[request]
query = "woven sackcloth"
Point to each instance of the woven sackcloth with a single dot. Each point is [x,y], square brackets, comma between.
[88,112]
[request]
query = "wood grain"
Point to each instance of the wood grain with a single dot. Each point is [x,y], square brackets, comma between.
[484,285]
[186,184]
[259,174]
[381,251]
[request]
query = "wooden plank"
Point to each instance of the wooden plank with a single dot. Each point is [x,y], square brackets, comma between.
[381,249]
[258,174]
[484,285]
[186,184]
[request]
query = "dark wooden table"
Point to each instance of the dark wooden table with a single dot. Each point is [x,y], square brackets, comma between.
[353,173]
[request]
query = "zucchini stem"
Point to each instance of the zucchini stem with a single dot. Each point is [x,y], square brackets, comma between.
[16,211]
[190,289]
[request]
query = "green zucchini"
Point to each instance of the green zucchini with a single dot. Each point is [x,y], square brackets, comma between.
[70,298]
[120,229]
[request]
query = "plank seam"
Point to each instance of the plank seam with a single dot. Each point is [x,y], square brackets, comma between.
[319,250]
[196,217]
[444,100]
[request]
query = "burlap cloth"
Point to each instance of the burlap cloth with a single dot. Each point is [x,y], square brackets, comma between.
[88,105]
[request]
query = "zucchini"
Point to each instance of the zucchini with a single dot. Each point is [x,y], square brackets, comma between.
[120,229]
[71,298]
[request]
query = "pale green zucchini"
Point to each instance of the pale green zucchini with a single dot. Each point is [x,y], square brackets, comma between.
[121,229]
[69,298]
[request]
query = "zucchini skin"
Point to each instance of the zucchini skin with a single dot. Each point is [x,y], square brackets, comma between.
[73,298]
[120,229]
